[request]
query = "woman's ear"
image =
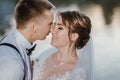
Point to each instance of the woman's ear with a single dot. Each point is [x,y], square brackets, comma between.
[74,36]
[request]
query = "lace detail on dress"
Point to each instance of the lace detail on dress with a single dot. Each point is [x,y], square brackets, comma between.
[82,73]
[38,69]
[65,76]
[79,74]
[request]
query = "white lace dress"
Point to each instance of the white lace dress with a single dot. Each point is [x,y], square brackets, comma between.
[68,75]
[78,73]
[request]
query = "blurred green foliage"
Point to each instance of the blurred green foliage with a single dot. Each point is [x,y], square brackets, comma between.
[107,5]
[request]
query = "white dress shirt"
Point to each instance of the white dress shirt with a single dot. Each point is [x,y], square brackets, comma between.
[11,64]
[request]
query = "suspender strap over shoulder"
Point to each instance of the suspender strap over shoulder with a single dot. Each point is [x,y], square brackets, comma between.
[10,45]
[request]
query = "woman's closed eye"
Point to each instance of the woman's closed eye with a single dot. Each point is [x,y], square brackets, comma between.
[60,28]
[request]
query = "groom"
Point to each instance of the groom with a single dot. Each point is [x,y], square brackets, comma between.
[33,21]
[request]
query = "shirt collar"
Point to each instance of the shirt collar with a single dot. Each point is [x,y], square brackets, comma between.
[21,39]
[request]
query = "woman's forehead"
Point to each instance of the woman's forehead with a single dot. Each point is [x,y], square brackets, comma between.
[58,19]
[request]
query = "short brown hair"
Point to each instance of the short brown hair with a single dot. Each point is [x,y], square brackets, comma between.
[29,9]
[77,23]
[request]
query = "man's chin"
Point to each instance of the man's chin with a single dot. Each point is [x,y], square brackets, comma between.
[43,38]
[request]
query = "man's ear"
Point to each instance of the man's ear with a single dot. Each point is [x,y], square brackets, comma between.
[74,36]
[33,27]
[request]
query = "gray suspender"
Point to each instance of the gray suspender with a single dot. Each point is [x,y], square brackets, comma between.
[12,46]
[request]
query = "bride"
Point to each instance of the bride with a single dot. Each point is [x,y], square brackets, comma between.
[71,59]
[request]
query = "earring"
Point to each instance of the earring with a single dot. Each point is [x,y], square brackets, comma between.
[73,39]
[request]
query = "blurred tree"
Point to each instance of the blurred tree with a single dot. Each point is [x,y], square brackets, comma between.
[6,12]
[107,5]
[7,8]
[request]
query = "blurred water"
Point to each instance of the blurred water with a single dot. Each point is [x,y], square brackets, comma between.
[105,40]
[107,56]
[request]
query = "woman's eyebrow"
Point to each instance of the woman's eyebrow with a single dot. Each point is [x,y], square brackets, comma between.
[59,24]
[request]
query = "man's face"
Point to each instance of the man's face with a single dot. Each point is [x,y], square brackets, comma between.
[43,25]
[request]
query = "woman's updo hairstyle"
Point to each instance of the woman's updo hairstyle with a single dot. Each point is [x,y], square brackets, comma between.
[77,23]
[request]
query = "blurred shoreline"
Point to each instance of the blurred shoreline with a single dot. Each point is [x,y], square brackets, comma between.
[105,39]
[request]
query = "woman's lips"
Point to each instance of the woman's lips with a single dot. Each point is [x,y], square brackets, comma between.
[54,37]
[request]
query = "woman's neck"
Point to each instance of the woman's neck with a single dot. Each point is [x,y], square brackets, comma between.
[66,53]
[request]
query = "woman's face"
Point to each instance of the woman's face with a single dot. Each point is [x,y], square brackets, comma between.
[60,36]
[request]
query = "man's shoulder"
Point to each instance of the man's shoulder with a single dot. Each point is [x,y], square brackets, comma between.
[6,50]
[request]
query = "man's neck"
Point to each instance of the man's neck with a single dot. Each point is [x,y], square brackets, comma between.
[26,34]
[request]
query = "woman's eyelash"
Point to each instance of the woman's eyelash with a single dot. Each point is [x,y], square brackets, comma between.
[60,28]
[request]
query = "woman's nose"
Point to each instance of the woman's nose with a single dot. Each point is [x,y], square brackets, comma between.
[53,29]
